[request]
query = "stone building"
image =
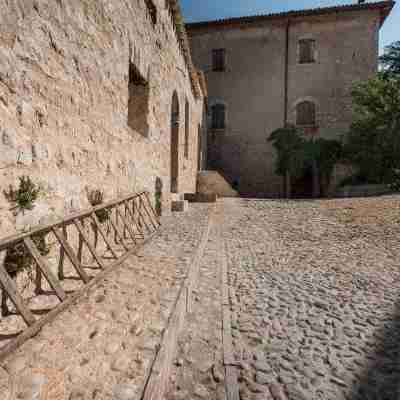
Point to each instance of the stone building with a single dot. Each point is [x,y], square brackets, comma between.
[96,95]
[265,71]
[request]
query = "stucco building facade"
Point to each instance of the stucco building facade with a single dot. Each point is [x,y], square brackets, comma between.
[265,71]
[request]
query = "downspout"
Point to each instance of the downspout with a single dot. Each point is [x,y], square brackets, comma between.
[287,177]
[286,83]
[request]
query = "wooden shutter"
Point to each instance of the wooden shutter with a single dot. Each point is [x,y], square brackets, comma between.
[306,114]
[306,51]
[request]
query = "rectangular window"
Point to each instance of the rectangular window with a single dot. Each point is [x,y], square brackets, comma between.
[138,103]
[218,60]
[218,116]
[306,51]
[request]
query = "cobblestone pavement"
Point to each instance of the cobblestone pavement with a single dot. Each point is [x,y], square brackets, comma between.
[314,303]
[315,290]
[103,346]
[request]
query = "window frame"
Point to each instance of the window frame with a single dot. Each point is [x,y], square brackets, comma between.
[312,52]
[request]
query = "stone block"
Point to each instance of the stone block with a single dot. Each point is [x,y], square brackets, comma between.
[180,206]
[201,197]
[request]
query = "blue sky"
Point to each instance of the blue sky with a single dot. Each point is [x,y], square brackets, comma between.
[199,10]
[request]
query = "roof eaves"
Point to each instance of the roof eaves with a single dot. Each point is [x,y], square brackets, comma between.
[385,8]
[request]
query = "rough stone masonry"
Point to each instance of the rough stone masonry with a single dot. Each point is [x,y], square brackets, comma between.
[86,93]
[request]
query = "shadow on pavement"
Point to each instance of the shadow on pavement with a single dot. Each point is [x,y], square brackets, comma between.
[381,376]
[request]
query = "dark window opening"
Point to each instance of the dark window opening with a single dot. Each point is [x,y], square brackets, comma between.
[306,51]
[152,10]
[306,114]
[218,60]
[218,116]
[138,105]
[187,130]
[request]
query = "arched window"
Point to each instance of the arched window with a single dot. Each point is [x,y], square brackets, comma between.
[305,113]
[218,116]
[187,129]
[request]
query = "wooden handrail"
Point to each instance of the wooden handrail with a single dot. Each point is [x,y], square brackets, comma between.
[15,239]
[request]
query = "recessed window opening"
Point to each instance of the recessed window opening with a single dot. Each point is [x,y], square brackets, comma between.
[152,10]
[218,116]
[187,129]
[219,60]
[306,51]
[306,114]
[138,105]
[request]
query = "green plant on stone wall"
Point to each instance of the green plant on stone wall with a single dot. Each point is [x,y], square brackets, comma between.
[96,198]
[18,258]
[25,196]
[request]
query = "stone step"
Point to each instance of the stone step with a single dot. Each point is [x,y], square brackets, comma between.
[180,206]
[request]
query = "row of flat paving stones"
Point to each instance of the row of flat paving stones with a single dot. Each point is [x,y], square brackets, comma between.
[103,346]
[315,301]
[198,371]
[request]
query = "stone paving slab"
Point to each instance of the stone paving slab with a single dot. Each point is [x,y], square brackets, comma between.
[102,347]
[198,371]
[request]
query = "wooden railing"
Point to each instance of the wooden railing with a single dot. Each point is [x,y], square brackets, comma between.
[111,231]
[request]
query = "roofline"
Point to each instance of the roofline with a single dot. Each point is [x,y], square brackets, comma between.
[385,7]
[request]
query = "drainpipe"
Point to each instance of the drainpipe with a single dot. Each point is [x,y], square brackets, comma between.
[286,83]
[287,178]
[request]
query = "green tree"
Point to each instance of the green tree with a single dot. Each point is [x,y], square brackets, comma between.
[289,146]
[390,60]
[297,153]
[373,143]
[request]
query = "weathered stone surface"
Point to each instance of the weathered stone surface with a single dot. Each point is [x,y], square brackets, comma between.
[66,102]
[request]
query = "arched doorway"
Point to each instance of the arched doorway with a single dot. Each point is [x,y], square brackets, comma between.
[174,143]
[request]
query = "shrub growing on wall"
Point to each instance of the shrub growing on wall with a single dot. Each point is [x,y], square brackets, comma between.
[18,258]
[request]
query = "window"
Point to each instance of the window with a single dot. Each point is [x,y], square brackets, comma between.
[187,130]
[218,116]
[138,105]
[305,114]
[218,60]
[306,51]
[152,10]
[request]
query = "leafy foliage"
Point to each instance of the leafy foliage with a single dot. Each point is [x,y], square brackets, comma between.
[25,196]
[297,153]
[96,197]
[395,184]
[290,149]
[373,143]
[390,60]
[18,258]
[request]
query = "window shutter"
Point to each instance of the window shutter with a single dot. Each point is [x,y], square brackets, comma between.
[306,114]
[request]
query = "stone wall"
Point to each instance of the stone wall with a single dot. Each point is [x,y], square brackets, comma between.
[253,85]
[65,78]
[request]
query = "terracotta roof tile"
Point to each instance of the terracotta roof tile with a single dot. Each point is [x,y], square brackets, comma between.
[385,8]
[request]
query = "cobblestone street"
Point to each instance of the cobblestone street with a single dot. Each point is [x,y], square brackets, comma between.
[316,310]
[313,310]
